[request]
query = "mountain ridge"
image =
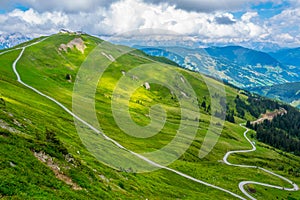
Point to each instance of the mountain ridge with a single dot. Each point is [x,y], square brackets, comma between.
[242,67]
[289,57]
[11,40]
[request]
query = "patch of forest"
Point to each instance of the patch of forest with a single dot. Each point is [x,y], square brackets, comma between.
[282,132]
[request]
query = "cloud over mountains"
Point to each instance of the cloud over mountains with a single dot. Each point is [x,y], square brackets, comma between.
[219,21]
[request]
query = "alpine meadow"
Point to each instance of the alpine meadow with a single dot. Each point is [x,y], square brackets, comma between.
[150,100]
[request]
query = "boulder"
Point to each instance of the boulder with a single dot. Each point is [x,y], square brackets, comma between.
[147,85]
[2,102]
[69,77]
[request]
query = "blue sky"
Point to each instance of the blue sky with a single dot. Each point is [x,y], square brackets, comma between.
[270,9]
[205,21]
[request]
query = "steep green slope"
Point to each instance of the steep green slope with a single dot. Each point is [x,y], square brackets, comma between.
[31,123]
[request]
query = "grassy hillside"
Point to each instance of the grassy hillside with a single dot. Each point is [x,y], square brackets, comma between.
[32,126]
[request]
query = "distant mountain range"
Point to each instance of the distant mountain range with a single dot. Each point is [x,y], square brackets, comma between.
[288,56]
[262,46]
[275,75]
[258,46]
[10,40]
[242,67]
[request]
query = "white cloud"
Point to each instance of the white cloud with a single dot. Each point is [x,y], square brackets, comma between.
[34,18]
[284,27]
[128,15]
[285,37]
[248,16]
[287,17]
[32,23]
[57,5]
[150,16]
[91,5]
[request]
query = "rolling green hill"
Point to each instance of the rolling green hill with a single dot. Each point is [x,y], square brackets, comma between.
[42,156]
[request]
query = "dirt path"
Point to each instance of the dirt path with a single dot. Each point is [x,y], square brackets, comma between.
[243,183]
[14,66]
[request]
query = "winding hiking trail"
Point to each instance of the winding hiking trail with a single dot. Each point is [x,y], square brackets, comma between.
[241,184]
